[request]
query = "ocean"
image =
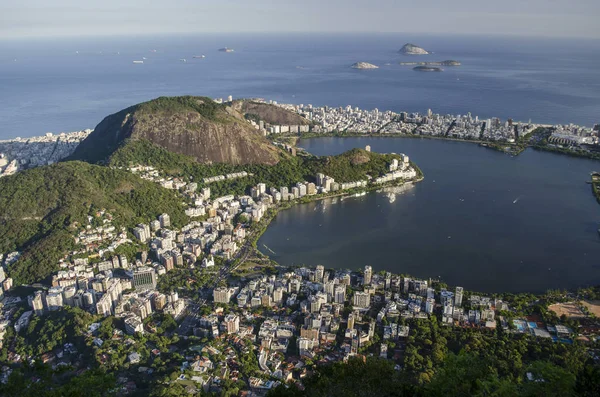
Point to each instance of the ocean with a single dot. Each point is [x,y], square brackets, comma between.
[60,85]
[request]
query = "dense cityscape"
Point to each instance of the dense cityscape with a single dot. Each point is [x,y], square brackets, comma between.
[467,127]
[242,325]
[199,308]
[95,279]
[388,199]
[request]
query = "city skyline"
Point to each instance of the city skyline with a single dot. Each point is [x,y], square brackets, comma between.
[67,18]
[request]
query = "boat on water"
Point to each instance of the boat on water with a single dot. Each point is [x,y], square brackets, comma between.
[138,62]
[226,49]
[199,56]
[183,60]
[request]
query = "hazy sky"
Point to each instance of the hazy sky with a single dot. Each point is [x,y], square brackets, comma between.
[556,18]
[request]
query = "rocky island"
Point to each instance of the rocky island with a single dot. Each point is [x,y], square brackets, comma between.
[364,65]
[411,49]
[449,62]
[428,69]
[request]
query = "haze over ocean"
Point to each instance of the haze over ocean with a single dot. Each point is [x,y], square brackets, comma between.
[47,87]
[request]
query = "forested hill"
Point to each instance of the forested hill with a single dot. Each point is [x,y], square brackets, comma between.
[353,165]
[42,208]
[195,126]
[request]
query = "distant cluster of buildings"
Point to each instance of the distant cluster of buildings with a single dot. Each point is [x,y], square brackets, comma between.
[21,153]
[348,119]
[353,119]
[574,135]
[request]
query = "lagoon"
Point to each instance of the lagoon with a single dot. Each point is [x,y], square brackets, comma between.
[481,219]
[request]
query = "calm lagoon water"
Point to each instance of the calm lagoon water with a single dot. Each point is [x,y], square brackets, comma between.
[480,219]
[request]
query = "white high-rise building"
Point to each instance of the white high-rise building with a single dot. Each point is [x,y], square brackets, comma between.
[320,179]
[319,273]
[165,220]
[368,275]
[37,302]
[221,295]
[458,297]
[329,288]
[262,188]
[340,294]
[429,305]
[362,299]
[278,295]
[54,299]
[232,323]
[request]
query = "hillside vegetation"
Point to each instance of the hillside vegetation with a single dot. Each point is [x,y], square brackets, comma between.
[41,208]
[353,165]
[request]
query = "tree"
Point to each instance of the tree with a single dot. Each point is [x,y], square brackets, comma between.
[549,380]
[357,378]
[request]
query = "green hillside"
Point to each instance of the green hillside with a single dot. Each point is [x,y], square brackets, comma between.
[41,208]
[353,165]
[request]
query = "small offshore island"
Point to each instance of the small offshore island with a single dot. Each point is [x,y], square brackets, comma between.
[427,69]
[364,65]
[449,62]
[138,252]
[411,49]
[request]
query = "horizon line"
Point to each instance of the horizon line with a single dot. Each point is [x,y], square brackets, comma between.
[293,32]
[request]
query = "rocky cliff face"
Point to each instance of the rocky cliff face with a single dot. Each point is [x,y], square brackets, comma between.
[194,126]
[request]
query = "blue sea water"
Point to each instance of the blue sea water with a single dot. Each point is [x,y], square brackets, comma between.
[46,86]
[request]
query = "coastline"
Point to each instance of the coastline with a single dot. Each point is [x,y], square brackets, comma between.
[498,146]
[263,225]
